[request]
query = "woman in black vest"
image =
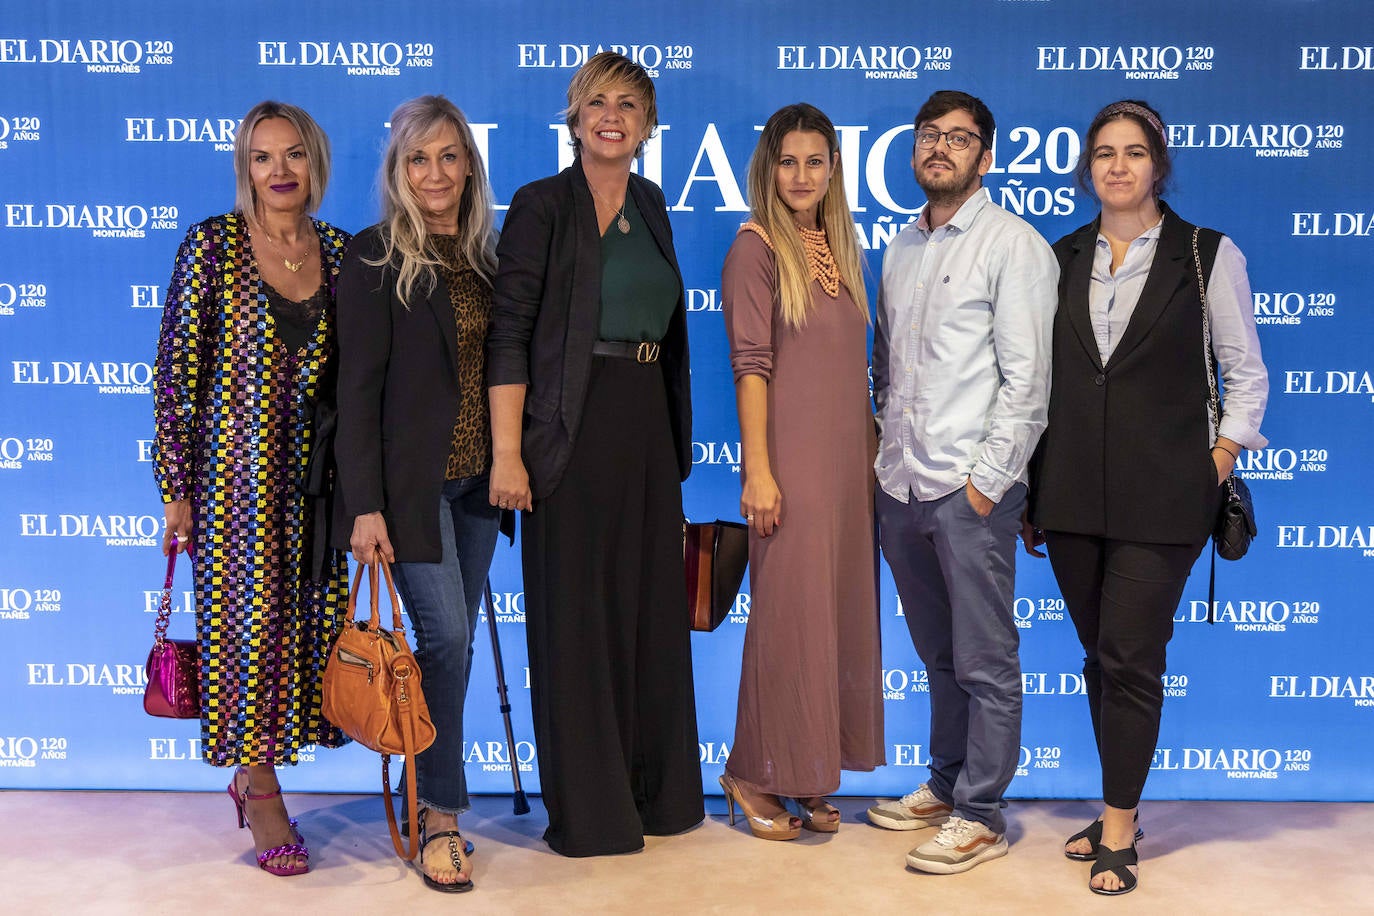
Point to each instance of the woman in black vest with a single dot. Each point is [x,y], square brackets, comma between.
[1126,481]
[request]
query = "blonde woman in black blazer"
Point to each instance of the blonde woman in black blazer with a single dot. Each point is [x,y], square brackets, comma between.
[591,414]
[414,437]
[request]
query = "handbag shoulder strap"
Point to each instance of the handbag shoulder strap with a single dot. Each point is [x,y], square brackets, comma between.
[413,817]
[405,713]
[407,723]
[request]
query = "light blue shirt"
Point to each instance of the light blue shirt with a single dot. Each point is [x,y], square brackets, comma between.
[961,352]
[1112,299]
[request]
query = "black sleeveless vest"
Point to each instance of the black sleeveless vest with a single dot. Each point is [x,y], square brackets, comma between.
[1126,454]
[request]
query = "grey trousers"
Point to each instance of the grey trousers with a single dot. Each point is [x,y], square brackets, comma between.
[955,573]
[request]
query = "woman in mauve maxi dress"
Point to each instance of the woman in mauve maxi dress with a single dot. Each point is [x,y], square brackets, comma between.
[810,701]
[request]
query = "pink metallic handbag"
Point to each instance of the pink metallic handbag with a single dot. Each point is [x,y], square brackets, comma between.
[173,667]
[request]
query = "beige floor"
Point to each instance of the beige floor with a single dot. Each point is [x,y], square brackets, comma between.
[137,852]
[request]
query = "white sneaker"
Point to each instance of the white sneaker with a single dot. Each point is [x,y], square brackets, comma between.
[958,846]
[912,812]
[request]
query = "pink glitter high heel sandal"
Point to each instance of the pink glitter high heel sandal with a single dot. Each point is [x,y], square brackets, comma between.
[296,849]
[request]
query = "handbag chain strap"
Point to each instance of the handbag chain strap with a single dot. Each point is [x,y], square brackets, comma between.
[1213,399]
[164,609]
[1214,409]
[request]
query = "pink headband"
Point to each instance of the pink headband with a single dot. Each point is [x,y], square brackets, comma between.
[1120,108]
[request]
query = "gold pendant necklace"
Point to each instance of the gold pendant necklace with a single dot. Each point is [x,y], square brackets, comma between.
[293,266]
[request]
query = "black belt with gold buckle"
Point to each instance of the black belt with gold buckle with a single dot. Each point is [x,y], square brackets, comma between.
[641,351]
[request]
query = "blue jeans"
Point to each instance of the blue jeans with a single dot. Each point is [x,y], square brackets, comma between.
[442,600]
[955,572]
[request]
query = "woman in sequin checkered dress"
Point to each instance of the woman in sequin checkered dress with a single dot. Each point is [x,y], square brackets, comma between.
[245,347]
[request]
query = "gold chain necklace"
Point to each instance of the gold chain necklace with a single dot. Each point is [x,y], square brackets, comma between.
[293,266]
[622,223]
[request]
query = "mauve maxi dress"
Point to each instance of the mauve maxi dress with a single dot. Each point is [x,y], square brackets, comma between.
[810,699]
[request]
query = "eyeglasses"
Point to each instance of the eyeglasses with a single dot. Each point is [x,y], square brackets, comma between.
[954,139]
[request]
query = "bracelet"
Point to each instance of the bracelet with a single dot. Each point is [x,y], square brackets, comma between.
[1234,455]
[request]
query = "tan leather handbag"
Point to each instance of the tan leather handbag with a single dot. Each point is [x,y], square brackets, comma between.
[372,692]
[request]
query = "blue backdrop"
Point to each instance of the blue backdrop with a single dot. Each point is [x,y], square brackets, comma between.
[116,126]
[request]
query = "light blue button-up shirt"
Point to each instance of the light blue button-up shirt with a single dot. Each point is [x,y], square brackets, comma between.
[961,352]
[1112,298]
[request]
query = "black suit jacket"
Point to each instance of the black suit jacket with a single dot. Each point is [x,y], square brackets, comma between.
[398,398]
[1125,455]
[546,309]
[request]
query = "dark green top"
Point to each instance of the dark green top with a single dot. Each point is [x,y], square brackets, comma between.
[639,288]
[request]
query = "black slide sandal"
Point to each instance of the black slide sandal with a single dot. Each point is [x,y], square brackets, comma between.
[1116,861]
[1093,834]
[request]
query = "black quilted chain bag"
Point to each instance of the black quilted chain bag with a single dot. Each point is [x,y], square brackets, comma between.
[1235,526]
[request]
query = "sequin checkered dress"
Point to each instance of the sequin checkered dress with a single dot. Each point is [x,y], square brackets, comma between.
[233,437]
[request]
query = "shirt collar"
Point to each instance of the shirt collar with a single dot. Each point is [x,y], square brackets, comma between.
[963,217]
[1147,235]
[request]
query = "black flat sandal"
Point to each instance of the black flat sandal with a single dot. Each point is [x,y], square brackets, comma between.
[456,854]
[1115,861]
[468,847]
[1093,834]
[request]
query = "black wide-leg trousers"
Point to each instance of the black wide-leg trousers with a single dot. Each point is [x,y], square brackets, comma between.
[606,621]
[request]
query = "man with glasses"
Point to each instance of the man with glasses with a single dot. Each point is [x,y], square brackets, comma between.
[961,377]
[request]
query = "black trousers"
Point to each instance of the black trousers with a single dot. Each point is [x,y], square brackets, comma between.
[1122,596]
[606,621]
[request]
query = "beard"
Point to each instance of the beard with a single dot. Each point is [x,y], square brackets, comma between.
[946,188]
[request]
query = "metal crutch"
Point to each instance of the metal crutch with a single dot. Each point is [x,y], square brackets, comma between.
[522,805]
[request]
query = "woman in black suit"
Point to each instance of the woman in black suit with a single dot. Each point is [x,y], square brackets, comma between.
[414,439]
[1126,480]
[591,430]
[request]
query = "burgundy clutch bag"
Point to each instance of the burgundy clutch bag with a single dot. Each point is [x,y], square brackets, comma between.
[714,556]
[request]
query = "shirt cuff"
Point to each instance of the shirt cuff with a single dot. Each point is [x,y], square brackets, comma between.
[1237,430]
[991,482]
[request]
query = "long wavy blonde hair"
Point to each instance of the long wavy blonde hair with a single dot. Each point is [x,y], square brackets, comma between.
[413,124]
[770,212]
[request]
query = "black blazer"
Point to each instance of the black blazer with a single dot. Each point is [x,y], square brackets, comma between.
[546,309]
[1125,454]
[398,397]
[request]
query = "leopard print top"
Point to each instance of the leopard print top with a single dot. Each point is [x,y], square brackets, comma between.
[470,453]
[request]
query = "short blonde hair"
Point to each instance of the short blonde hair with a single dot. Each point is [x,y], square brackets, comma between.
[312,138]
[601,74]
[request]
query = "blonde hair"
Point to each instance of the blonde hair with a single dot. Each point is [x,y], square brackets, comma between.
[312,138]
[603,72]
[770,211]
[403,225]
